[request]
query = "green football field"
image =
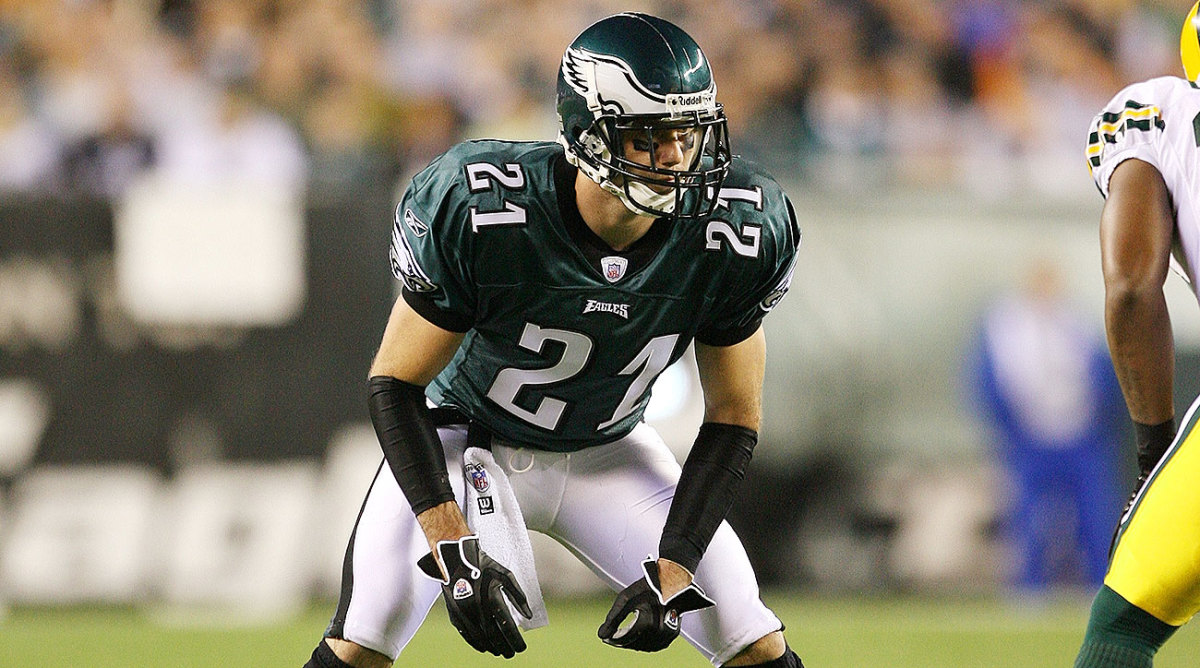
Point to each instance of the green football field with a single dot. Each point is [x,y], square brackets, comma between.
[828,632]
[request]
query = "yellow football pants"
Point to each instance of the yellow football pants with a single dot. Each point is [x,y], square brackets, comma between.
[1156,563]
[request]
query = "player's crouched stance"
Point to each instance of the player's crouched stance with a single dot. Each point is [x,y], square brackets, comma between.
[546,286]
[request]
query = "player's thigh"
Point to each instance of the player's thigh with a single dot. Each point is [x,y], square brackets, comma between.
[612,515]
[384,596]
[614,503]
[1156,562]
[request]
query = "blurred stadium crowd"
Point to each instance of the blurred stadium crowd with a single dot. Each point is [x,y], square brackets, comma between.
[974,93]
[981,99]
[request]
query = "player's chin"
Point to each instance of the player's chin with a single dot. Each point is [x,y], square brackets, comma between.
[657,185]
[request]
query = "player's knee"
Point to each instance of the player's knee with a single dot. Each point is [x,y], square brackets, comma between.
[355,656]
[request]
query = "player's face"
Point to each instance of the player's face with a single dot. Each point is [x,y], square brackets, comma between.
[674,149]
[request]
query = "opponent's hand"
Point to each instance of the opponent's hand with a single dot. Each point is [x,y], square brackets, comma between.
[474,587]
[655,623]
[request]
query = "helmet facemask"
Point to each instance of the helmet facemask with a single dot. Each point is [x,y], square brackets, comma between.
[686,189]
[632,83]
[621,154]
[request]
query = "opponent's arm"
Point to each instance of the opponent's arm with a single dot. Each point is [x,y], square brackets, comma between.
[1136,229]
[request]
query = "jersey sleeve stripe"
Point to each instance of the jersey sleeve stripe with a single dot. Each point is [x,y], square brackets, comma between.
[1110,126]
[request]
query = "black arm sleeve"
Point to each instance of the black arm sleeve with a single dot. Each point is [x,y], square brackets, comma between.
[715,466]
[410,442]
[1152,443]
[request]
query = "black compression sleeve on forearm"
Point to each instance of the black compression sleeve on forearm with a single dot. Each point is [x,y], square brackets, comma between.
[410,441]
[1152,442]
[711,473]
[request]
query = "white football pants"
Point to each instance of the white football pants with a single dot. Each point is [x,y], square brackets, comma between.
[606,504]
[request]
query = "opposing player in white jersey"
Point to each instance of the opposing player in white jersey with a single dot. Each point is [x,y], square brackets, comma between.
[1144,154]
[546,286]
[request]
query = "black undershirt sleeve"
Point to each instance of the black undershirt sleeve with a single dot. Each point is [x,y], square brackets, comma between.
[408,436]
[428,309]
[711,473]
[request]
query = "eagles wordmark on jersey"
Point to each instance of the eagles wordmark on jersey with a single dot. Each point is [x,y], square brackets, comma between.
[565,337]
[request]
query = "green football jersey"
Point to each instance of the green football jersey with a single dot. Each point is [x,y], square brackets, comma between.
[564,336]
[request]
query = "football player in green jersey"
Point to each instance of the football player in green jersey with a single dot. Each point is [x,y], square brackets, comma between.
[546,285]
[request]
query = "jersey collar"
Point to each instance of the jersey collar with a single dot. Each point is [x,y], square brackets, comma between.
[593,247]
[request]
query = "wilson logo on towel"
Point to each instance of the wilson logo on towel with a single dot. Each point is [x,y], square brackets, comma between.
[486,507]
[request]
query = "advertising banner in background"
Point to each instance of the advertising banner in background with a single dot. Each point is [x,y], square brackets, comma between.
[215,458]
[84,380]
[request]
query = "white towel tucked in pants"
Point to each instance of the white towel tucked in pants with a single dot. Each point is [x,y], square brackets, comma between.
[493,514]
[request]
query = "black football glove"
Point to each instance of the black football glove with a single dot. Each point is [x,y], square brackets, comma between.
[655,623]
[474,587]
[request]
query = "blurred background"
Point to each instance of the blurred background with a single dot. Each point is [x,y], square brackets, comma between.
[195,205]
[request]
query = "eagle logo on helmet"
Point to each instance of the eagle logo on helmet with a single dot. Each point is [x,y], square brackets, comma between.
[587,73]
[579,72]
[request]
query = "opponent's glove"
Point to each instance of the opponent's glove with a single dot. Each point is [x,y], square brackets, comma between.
[474,586]
[655,623]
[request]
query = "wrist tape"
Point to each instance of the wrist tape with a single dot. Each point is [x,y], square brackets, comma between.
[1152,442]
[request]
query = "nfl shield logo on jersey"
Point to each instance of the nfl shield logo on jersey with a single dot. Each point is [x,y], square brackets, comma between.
[478,477]
[613,267]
